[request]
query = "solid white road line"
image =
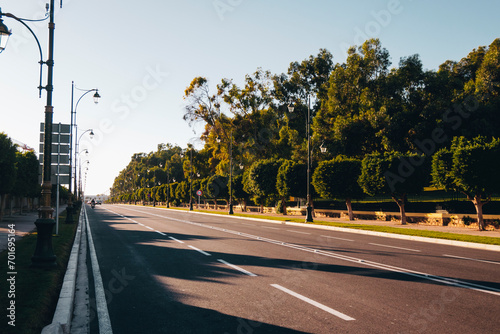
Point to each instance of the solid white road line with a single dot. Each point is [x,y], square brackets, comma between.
[329,237]
[199,250]
[402,248]
[179,241]
[298,232]
[246,272]
[314,303]
[471,259]
[100,297]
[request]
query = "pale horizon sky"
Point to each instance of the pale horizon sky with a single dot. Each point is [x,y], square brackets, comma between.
[142,55]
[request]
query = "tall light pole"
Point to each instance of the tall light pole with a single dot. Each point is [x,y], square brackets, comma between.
[168,185]
[309,217]
[191,181]
[76,151]
[69,209]
[44,254]
[231,212]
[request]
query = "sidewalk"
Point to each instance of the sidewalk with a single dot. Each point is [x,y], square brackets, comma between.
[24,224]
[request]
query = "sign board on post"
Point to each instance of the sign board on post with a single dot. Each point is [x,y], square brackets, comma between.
[61,144]
[199,193]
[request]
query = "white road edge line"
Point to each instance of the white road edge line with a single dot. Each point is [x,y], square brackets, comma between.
[100,297]
[236,267]
[471,259]
[160,232]
[329,237]
[298,232]
[179,241]
[402,248]
[199,250]
[314,303]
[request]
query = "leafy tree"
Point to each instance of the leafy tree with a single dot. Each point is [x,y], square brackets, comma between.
[201,104]
[394,174]
[173,193]
[261,180]
[338,178]
[239,192]
[354,109]
[470,167]
[27,175]
[7,169]
[291,181]
[217,188]
[182,192]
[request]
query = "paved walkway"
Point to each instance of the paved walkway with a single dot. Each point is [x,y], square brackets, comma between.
[24,224]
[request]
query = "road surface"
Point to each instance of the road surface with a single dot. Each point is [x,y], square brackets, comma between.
[169,271]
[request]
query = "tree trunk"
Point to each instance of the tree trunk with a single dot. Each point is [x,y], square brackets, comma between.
[478,203]
[283,206]
[349,209]
[401,203]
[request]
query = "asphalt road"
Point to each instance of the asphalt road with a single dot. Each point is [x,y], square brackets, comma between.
[166,271]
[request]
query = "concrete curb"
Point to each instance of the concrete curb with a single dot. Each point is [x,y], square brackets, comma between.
[474,245]
[61,322]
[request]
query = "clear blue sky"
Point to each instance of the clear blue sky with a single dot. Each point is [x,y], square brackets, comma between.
[141,55]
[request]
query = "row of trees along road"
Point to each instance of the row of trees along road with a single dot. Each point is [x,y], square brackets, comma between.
[390,130]
[18,173]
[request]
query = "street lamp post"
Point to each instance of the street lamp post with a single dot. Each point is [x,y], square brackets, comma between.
[309,217]
[76,151]
[191,181]
[69,210]
[231,212]
[168,186]
[44,254]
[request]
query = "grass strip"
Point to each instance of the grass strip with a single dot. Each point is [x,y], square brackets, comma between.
[36,290]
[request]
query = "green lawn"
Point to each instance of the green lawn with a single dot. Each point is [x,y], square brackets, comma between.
[36,290]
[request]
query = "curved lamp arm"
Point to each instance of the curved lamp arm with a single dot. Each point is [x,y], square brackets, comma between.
[6,32]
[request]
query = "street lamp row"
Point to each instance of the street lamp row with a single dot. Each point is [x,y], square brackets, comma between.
[43,255]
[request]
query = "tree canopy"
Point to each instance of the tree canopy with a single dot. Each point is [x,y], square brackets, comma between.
[394,118]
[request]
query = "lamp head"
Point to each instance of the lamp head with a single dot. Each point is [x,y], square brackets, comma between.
[4,34]
[91,134]
[290,107]
[96,97]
